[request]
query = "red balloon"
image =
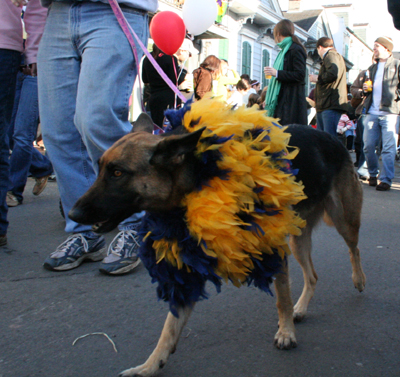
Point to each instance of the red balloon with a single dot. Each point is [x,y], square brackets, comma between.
[168,31]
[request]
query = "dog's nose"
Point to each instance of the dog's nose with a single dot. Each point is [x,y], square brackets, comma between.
[76,214]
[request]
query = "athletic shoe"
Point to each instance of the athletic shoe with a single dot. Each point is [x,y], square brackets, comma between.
[121,255]
[12,200]
[40,185]
[71,253]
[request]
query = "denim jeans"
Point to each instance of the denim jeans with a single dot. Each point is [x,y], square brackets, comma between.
[25,158]
[362,163]
[86,72]
[9,65]
[376,128]
[328,120]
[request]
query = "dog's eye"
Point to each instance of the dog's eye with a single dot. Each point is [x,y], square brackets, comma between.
[117,173]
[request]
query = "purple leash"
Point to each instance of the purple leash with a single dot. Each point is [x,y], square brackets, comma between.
[128,31]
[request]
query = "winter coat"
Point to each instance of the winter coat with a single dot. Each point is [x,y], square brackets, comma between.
[390,86]
[203,82]
[292,105]
[357,92]
[331,89]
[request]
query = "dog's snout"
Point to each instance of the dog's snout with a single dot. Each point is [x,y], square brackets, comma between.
[76,214]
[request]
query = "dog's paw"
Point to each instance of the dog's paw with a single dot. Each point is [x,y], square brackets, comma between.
[285,340]
[359,281]
[298,317]
[142,371]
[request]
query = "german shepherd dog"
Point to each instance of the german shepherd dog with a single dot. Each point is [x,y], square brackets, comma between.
[143,171]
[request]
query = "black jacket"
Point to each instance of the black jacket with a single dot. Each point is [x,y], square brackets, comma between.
[292,105]
[390,86]
[331,89]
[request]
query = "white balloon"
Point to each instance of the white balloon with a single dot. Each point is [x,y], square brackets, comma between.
[199,15]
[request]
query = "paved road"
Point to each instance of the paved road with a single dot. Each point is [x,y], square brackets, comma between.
[346,333]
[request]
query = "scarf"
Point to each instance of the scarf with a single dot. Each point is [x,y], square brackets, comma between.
[274,86]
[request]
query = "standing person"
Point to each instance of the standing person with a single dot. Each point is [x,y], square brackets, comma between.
[162,97]
[285,96]
[185,52]
[25,158]
[223,77]
[358,99]
[86,72]
[11,47]
[236,99]
[331,88]
[204,76]
[382,113]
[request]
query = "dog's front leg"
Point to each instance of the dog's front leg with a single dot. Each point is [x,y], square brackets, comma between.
[285,337]
[166,345]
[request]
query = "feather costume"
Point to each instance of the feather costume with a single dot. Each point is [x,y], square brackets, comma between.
[234,226]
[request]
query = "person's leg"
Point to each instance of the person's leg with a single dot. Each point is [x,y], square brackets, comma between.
[59,65]
[320,122]
[9,65]
[40,165]
[25,128]
[389,142]
[372,136]
[330,121]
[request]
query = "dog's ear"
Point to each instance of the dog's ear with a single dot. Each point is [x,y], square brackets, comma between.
[143,123]
[171,150]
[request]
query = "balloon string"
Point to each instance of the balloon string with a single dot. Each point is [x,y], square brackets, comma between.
[128,31]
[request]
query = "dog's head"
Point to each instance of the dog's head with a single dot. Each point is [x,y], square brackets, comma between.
[141,171]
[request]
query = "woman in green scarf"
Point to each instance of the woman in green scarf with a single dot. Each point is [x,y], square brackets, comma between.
[286,97]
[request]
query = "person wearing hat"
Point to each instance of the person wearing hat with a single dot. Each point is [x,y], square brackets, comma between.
[185,52]
[382,108]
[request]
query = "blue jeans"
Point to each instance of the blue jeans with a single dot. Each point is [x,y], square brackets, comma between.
[86,72]
[362,163]
[378,127]
[9,65]
[328,120]
[25,158]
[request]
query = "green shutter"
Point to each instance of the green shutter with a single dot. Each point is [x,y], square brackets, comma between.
[223,49]
[246,58]
[265,63]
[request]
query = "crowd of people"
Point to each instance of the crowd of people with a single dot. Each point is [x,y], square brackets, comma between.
[83,57]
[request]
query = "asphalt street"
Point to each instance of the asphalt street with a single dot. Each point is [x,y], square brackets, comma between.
[346,333]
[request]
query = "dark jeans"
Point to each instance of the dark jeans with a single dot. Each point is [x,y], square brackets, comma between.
[328,120]
[25,158]
[9,65]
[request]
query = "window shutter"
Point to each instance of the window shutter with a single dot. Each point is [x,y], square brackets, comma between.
[265,63]
[246,58]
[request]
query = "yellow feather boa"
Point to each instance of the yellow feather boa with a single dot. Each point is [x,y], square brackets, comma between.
[212,213]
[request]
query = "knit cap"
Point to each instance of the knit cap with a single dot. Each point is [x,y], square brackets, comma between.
[385,42]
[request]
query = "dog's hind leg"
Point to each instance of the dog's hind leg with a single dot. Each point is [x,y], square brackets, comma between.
[285,337]
[343,206]
[166,345]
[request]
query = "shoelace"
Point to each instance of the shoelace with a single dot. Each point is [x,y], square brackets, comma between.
[120,240]
[69,241]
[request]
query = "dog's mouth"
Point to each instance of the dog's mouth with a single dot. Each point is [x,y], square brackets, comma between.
[104,226]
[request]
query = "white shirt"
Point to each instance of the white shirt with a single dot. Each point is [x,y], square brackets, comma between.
[235,98]
[377,91]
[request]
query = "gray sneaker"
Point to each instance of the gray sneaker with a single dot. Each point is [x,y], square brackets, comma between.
[121,255]
[71,253]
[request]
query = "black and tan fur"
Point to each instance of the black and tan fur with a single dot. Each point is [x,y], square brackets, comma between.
[143,171]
